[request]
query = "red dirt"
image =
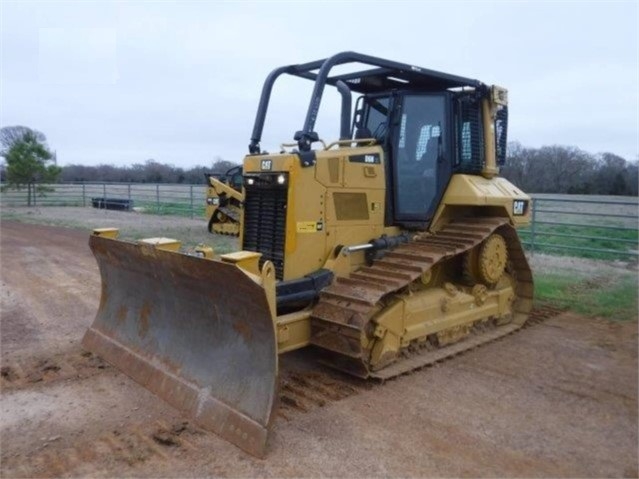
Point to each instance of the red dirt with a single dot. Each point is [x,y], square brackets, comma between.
[558,398]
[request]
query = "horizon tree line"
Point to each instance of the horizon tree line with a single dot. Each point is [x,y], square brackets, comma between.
[548,169]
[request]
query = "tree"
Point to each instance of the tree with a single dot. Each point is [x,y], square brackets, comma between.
[221,166]
[566,169]
[26,154]
[9,135]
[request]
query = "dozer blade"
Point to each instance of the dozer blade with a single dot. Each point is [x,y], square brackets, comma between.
[196,332]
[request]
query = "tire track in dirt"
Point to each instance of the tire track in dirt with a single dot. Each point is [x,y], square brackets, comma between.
[304,391]
[24,373]
[132,446]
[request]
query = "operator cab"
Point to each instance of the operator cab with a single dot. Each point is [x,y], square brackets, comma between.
[429,124]
[414,131]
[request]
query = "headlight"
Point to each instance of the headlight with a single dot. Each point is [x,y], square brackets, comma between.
[213,200]
[281,179]
[250,181]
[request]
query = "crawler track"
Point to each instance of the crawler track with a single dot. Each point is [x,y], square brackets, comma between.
[233,220]
[346,308]
[305,391]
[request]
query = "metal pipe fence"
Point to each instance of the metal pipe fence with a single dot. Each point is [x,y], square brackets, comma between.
[596,227]
[152,198]
[601,228]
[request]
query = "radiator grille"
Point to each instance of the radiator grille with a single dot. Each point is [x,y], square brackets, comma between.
[265,219]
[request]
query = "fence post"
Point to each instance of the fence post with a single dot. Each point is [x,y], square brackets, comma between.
[129,192]
[84,194]
[157,197]
[191,201]
[103,204]
[532,226]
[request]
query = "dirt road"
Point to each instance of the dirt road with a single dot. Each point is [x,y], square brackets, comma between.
[556,399]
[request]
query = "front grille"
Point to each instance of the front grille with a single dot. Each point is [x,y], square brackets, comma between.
[265,219]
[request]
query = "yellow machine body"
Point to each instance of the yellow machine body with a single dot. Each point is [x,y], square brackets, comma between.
[338,202]
[327,260]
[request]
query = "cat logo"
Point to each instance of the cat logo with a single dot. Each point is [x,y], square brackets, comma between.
[267,165]
[370,159]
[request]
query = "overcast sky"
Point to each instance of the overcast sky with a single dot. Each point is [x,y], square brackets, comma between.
[123,82]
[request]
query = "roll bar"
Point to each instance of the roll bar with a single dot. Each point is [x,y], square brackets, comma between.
[388,75]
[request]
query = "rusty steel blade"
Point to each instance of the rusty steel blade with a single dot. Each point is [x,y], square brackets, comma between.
[198,333]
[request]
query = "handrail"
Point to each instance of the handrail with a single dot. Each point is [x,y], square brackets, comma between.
[367,141]
[283,146]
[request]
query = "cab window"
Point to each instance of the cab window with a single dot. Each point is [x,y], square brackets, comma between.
[420,143]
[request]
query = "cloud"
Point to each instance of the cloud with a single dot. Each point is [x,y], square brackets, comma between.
[77,56]
[121,82]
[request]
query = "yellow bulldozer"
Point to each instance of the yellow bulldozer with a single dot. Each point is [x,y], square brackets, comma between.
[386,250]
[224,202]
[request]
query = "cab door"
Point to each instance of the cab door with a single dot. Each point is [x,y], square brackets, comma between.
[422,162]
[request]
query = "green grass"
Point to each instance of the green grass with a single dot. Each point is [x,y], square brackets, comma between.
[608,297]
[562,240]
[172,208]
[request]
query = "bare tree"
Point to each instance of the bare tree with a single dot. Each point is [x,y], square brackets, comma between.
[10,135]
[566,169]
